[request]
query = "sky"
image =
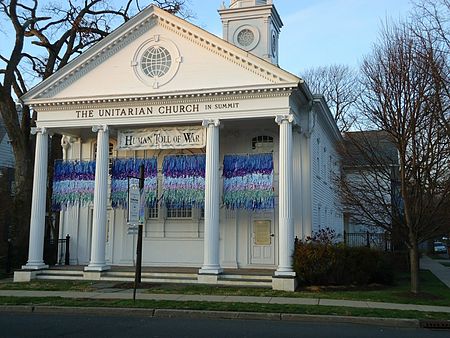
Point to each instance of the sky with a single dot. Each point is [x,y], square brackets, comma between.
[318,32]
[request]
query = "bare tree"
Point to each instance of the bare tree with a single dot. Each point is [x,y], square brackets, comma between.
[46,36]
[431,25]
[340,87]
[404,195]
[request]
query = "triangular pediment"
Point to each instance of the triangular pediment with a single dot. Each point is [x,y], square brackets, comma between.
[157,53]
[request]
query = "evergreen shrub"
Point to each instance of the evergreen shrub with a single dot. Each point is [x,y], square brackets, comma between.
[321,261]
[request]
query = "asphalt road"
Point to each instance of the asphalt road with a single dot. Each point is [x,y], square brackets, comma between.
[71,325]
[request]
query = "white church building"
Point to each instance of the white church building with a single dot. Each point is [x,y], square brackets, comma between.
[240,157]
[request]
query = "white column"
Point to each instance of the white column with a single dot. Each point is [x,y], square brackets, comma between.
[285,179]
[98,261]
[211,264]
[37,222]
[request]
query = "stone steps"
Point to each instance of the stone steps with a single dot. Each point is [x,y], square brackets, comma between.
[158,277]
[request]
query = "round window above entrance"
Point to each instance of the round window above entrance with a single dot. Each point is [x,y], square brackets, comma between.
[156,61]
[246,37]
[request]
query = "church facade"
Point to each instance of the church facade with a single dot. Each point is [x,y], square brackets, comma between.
[239,155]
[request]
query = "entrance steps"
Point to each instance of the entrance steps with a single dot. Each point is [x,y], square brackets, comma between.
[234,278]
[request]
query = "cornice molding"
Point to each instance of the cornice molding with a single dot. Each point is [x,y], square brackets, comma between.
[168,99]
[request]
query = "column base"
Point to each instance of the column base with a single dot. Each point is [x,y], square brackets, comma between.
[21,276]
[97,268]
[207,279]
[210,270]
[285,273]
[35,266]
[284,283]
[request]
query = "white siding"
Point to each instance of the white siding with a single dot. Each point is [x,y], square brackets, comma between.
[326,206]
[6,154]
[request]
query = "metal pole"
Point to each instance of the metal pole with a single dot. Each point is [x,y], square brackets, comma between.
[137,275]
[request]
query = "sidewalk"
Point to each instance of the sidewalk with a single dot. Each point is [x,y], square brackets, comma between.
[128,294]
[440,271]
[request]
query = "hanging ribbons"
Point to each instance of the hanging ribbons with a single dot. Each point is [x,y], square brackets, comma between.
[248,181]
[73,183]
[184,181]
[128,169]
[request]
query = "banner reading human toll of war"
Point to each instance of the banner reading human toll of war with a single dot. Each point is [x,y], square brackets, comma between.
[162,138]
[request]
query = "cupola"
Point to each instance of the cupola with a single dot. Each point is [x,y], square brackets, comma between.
[253,25]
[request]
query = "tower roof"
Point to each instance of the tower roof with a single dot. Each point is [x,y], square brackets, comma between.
[248,3]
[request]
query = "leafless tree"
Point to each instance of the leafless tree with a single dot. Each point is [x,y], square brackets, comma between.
[340,87]
[431,25]
[405,194]
[44,37]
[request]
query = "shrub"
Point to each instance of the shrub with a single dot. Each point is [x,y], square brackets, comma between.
[320,262]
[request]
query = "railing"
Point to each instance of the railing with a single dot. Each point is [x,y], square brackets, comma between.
[55,246]
[379,241]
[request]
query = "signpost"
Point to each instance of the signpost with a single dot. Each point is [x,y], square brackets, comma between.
[136,220]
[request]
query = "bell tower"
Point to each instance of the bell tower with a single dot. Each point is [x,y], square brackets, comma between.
[253,25]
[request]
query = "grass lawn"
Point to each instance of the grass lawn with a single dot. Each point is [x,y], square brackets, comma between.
[50,285]
[219,306]
[434,292]
[445,264]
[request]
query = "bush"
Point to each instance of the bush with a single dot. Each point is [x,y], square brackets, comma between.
[318,262]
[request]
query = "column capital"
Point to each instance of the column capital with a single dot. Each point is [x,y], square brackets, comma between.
[66,141]
[211,122]
[98,128]
[289,118]
[38,130]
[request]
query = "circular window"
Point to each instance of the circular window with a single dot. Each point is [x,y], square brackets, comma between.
[156,61]
[245,37]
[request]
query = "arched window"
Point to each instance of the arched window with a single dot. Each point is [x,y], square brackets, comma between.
[262,144]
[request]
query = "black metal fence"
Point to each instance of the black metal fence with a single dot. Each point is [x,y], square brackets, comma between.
[380,241]
[57,251]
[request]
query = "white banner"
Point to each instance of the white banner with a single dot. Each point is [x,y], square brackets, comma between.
[162,138]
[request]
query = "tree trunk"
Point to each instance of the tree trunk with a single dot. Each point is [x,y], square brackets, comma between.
[22,207]
[414,267]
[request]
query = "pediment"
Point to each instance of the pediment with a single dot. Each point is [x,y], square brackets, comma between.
[157,53]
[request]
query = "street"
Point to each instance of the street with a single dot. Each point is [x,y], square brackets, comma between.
[64,325]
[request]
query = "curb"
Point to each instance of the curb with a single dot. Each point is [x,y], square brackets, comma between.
[198,314]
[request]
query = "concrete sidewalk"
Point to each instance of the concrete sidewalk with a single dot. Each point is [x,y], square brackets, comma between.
[440,271]
[128,294]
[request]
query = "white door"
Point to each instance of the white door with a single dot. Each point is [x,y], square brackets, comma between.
[262,239]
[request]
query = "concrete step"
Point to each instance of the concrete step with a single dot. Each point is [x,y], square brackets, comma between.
[159,277]
[125,274]
[244,283]
[61,272]
[246,277]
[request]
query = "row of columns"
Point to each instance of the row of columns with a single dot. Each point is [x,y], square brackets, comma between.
[211,263]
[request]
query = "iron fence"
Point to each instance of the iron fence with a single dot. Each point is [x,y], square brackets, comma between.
[380,241]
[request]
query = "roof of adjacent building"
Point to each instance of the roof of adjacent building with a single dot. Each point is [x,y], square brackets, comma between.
[373,147]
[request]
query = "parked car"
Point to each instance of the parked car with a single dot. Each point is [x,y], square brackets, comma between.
[440,247]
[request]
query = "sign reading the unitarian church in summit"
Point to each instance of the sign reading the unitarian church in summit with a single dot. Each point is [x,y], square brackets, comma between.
[162,138]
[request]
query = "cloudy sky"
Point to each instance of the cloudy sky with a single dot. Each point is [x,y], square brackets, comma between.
[318,32]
